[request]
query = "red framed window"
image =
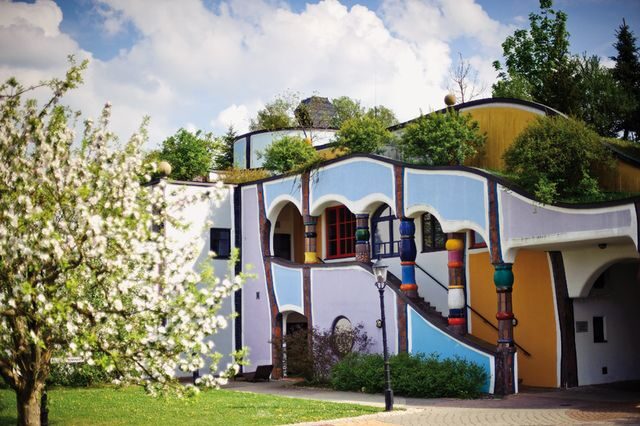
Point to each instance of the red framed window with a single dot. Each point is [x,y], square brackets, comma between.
[341,232]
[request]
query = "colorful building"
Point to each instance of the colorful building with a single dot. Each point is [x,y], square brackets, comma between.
[536,294]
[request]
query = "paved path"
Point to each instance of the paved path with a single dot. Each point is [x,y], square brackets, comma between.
[590,405]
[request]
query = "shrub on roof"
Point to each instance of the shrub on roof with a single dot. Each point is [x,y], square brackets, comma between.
[289,153]
[556,158]
[441,139]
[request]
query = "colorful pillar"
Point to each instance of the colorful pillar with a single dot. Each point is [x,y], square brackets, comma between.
[363,252]
[456,296]
[505,357]
[408,257]
[310,254]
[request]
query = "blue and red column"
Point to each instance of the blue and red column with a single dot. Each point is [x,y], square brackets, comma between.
[408,257]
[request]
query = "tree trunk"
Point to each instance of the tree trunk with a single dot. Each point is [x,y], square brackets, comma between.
[29,406]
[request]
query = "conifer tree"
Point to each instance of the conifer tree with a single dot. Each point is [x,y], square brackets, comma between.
[627,73]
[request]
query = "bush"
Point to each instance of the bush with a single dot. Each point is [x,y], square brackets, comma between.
[328,348]
[441,139]
[556,158]
[77,374]
[289,153]
[411,375]
[365,134]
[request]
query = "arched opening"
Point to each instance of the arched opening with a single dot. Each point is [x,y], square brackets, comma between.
[385,233]
[295,345]
[288,234]
[606,327]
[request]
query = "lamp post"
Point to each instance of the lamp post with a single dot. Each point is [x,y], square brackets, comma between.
[380,271]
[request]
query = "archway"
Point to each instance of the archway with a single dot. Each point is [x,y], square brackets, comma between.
[295,345]
[288,234]
[606,327]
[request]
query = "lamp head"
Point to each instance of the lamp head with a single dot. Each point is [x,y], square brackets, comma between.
[380,272]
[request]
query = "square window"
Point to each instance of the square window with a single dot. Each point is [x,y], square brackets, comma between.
[220,242]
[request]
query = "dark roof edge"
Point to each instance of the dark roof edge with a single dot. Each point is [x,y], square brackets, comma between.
[488,101]
[622,155]
[490,177]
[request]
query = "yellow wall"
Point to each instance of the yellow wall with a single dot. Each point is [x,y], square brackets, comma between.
[533,306]
[501,125]
[623,177]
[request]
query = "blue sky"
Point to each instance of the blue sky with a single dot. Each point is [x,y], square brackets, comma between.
[205,64]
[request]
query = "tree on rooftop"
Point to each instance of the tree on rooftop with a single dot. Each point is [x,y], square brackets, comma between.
[82,273]
[191,154]
[364,134]
[538,65]
[441,139]
[627,73]
[288,153]
[277,114]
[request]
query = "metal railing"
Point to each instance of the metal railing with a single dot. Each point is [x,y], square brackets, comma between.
[524,351]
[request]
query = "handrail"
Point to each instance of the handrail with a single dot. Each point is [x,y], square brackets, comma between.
[527,353]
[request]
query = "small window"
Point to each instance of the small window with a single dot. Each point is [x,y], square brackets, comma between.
[476,240]
[599,330]
[433,239]
[221,242]
[343,335]
[341,232]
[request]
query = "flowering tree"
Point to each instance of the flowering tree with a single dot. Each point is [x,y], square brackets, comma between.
[85,268]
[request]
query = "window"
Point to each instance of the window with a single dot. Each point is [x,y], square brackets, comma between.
[476,240]
[433,239]
[341,232]
[220,242]
[384,230]
[599,330]
[343,335]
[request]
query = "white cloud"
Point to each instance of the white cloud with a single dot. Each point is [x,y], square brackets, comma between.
[190,63]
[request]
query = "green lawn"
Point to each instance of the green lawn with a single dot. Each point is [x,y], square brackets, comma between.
[130,406]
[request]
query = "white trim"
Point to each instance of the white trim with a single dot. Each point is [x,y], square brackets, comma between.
[360,206]
[274,209]
[395,320]
[515,372]
[467,287]
[291,308]
[557,321]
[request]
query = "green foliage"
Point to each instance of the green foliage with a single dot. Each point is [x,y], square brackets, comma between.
[383,114]
[224,160]
[238,176]
[288,153]
[538,63]
[555,158]
[365,134]
[603,101]
[627,73]
[277,114]
[412,375]
[439,139]
[77,374]
[346,108]
[190,154]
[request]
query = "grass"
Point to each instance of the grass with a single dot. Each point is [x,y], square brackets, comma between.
[128,406]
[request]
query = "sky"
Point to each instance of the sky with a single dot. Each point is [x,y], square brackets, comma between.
[209,64]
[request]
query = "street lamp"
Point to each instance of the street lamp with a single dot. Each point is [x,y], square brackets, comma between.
[380,272]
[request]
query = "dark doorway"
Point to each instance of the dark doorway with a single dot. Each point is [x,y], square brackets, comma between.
[282,246]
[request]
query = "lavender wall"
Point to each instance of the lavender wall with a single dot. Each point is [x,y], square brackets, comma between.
[350,292]
[256,318]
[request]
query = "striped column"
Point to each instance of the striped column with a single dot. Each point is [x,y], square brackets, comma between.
[310,253]
[456,296]
[408,257]
[505,371]
[363,251]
